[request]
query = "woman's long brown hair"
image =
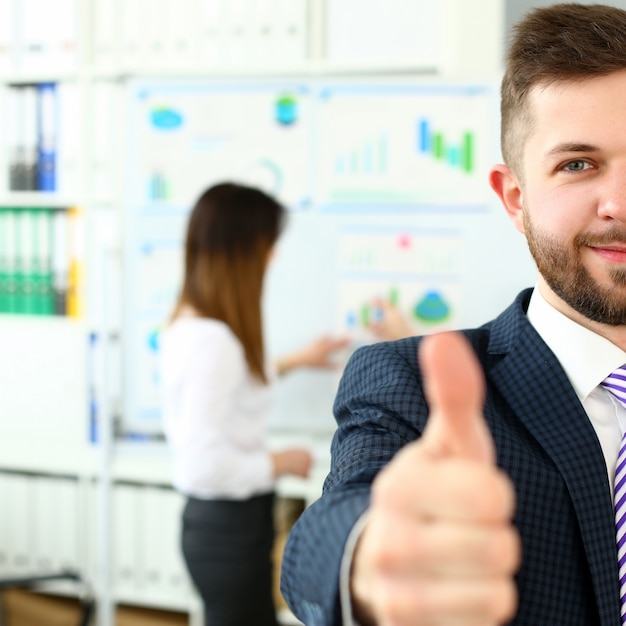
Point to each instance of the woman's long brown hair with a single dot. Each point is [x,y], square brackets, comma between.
[230,233]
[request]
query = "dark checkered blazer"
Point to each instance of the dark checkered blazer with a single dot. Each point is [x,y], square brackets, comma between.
[544,442]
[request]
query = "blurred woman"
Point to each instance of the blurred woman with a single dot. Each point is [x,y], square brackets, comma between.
[217,394]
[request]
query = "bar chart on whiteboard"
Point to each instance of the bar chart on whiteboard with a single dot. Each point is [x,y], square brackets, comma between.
[404,146]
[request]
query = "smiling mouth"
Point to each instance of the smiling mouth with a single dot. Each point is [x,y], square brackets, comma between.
[611,252]
[611,247]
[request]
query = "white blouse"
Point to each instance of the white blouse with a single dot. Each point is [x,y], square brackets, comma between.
[215,413]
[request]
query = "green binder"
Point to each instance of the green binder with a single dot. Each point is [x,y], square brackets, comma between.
[43,301]
[4,263]
[11,259]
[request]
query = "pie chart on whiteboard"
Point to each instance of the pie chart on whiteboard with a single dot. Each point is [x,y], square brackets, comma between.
[264,174]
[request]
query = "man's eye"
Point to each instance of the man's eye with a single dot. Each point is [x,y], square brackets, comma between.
[576,166]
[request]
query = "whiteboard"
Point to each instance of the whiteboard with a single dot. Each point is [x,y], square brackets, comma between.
[386,182]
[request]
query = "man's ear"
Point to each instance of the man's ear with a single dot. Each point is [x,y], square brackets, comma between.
[505,183]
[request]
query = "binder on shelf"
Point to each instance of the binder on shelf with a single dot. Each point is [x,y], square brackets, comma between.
[127,500]
[55,519]
[291,31]
[29,102]
[16,120]
[151,40]
[262,30]
[63,32]
[237,33]
[24,263]
[71,107]
[33,35]
[19,521]
[19,265]
[10,221]
[179,48]
[68,527]
[75,299]
[60,262]
[44,301]
[104,38]
[22,137]
[7,36]
[38,36]
[133,35]
[149,22]
[47,37]
[47,136]
[211,33]
[48,533]
[4,261]
[103,139]
[40,266]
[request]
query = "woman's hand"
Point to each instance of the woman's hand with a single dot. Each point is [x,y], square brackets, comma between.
[317,354]
[296,461]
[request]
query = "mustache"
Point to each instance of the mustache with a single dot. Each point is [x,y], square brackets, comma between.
[613,235]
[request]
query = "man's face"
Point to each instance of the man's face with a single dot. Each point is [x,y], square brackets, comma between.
[571,203]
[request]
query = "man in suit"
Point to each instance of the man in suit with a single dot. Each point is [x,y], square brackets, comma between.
[472,474]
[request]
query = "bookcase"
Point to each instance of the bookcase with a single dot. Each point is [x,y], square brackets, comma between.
[67,73]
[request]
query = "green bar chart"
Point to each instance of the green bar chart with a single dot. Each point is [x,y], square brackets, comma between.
[417,146]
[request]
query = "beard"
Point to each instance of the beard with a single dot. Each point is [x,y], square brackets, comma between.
[562,268]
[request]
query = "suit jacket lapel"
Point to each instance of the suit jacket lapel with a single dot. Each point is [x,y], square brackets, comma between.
[551,411]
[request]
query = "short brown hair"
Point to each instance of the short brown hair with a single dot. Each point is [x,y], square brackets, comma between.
[560,43]
[230,233]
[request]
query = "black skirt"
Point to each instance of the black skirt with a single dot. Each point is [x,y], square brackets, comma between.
[227,546]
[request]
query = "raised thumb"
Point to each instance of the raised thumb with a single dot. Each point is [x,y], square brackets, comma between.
[454,386]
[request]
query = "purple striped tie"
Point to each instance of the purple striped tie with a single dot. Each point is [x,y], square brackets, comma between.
[616,384]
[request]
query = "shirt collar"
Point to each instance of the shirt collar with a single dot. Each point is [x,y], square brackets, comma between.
[586,357]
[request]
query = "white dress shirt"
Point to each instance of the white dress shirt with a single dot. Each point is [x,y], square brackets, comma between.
[587,359]
[215,412]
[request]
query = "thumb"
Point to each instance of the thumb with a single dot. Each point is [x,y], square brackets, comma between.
[454,386]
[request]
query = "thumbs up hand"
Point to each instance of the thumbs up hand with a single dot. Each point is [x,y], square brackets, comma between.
[455,391]
[438,546]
